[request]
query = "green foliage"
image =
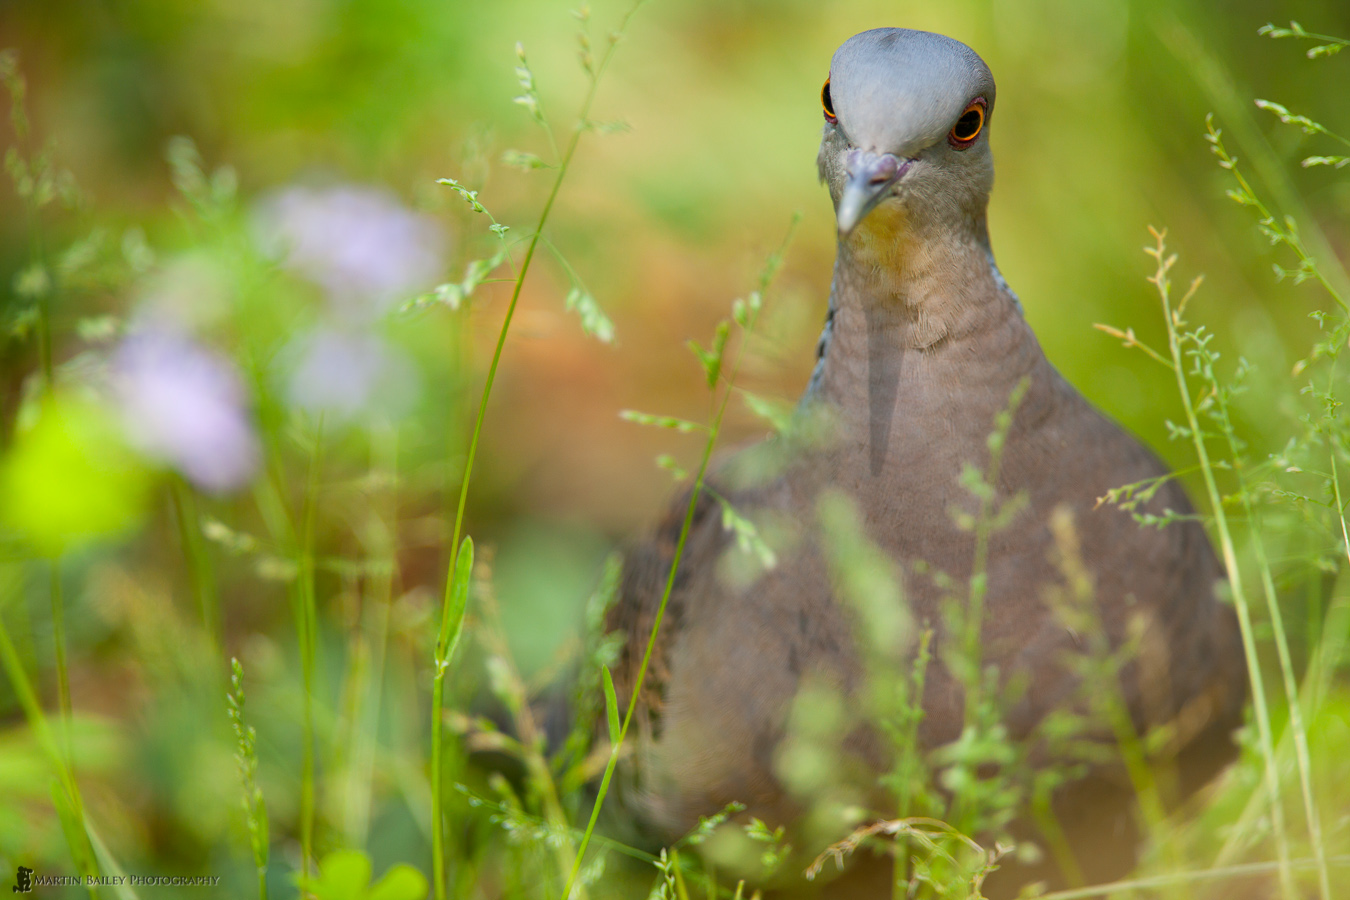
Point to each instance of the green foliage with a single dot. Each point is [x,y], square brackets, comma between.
[347,522]
[1329,46]
[345,875]
[69,479]
[255,807]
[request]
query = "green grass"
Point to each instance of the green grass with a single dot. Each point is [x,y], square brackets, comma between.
[361,747]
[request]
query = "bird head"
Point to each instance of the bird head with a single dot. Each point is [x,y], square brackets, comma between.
[906,131]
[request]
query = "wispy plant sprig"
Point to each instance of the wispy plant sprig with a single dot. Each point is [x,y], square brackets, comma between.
[246,755]
[746,314]
[1216,403]
[1236,110]
[1309,127]
[529,743]
[305,607]
[990,517]
[934,835]
[595,71]
[65,791]
[39,183]
[1172,313]
[1278,230]
[1329,45]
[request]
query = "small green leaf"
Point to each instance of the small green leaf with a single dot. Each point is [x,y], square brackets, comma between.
[667,462]
[457,602]
[478,270]
[719,352]
[683,426]
[453,294]
[234,542]
[530,99]
[740,313]
[470,197]
[22,322]
[32,281]
[1338,162]
[611,708]
[98,329]
[81,254]
[775,412]
[136,251]
[618,126]
[594,322]
[343,875]
[711,360]
[401,882]
[748,539]
[526,161]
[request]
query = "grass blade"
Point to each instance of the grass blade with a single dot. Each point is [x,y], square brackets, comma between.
[611,708]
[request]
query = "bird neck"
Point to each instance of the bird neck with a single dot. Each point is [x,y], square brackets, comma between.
[920,318]
[936,278]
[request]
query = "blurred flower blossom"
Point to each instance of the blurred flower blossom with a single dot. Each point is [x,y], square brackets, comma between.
[345,375]
[183,405]
[363,247]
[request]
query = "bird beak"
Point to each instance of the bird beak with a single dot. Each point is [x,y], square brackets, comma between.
[870,176]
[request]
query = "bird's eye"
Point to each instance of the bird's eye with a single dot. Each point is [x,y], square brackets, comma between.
[826,103]
[969,126]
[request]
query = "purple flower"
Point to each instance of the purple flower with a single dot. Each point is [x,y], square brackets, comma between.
[359,244]
[183,405]
[344,375]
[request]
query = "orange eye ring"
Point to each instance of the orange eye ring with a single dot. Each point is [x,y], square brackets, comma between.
[826,103]
[969,125]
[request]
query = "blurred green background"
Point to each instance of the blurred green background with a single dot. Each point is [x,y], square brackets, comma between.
[1098,132]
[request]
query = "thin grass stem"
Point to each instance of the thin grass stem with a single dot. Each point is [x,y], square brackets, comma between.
[1218,873]
[1297,727]
[438,682]
[1240,602]
[82,856]
[62,667]
[198,562]
[636,691]
[1235,111]
[307,633]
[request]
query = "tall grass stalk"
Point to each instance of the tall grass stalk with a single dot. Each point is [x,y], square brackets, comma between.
[1101,671]
[255,808]
[35,183]
[1288,235]
[198,562]
[1234,109]
[1174,323]
[62,667]
[990,517]
[372,640]
[81,849]
[306,626]
[1336,625]
[1297,727]
[1195,876]
[530,745]
[442,658]
[751,316]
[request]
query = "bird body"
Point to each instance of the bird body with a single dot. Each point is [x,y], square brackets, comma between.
[924,347]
